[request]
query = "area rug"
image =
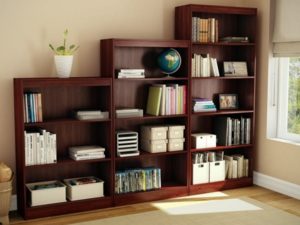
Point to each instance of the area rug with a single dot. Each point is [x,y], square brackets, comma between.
[239,211]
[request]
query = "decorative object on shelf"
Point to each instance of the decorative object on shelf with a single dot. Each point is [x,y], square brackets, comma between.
[235,69]
[127,143]
[169,61]
[235,39]
[6,177]
[64,57]
[228,101]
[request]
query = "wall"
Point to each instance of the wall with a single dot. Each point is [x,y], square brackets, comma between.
[27,27]
[273,158]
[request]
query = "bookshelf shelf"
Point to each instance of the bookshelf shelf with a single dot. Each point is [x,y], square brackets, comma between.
[224,78]
[221,148]
[154,79]
[223,112]
[149,117]
[66,121]
[224,44]
[144,154]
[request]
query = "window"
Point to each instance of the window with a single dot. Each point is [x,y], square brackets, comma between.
[288,105]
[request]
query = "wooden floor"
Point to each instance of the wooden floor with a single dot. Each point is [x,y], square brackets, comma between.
[268,197]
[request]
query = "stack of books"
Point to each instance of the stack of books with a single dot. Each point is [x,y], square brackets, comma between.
[90,114]
[203,105]
[204,66]
[235,39]
[131,73]
[86,152]
[127,113]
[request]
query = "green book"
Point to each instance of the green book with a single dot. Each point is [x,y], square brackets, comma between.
[154,98]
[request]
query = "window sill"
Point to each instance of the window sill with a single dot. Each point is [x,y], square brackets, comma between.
[285,141]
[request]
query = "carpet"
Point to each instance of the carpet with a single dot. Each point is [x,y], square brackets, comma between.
[235,211]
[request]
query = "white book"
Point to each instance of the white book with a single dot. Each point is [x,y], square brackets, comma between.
[77,158]
[95,154]
[234,169]
[86,149]
[88,112]
[120,111]
[122,75]
[103,115]
[132,70]
[125,154]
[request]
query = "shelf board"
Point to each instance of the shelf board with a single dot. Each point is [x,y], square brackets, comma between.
[69,161]
[225,78]
[224,43]
[149,117]
[144,154]
[222,112]
[221,148]
[153,79]
[65,121]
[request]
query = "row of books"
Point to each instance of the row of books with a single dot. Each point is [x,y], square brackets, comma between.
[32,109]
[90,114]
[203,105]
[166,99]
[205,30]
[40,147]
[236,166]
[134,180]
[204,66]
[232,131]
[131,73]
[86,152]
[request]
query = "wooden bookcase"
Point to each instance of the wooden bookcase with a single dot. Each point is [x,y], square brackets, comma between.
[235,22]
[132,93]
[59,98]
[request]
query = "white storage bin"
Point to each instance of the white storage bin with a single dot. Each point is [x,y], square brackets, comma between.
[154,146]
[200,173]
[84,191]
[203,140]
[217,171]
[176,131]
[154,132]
[175,144]
[41,193]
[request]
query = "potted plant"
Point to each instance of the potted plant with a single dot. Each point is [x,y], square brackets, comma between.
[64,57]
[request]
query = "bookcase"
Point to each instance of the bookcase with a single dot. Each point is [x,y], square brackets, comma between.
[119,54]
[60,97]
[233,23]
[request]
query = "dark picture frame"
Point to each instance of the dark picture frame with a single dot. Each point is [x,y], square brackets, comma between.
[228,101]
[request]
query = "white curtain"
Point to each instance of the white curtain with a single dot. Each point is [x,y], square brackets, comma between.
[286,36]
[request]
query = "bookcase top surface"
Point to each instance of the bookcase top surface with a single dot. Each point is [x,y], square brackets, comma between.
[220,9]
[147,43]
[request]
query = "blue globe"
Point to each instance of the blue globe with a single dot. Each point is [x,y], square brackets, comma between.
[169,61]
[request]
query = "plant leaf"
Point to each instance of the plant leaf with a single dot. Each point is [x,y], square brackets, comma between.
[71,47]
[52,47]
[65,33]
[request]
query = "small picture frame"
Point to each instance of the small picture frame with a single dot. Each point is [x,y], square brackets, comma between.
[235,69]
[228,101]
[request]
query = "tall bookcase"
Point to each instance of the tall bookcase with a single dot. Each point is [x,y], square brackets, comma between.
[59,98]
[119,54]
[232,22]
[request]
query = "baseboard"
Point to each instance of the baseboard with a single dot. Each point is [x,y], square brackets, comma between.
[13,203]
[278,185]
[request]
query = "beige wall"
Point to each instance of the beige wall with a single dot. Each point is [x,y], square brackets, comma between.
[28,26]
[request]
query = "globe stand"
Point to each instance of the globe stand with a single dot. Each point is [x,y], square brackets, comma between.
[168,75]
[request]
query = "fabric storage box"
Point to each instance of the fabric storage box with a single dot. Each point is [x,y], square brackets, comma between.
[154,132]
[154,146]
[48,192]
[176,144]
[176,131]
[84,188]
[200,173]
[217,171]
[203,140]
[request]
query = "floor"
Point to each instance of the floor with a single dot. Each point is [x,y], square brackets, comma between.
[266,196]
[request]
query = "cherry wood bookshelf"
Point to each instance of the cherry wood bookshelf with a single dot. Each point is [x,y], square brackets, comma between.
[235,22]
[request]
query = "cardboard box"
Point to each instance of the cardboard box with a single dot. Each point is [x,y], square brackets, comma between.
[217,171]
[154,132]
[84,191]
[200,173]
[41,195]
[176,131]
[176,144]
[204,140]
[154,146]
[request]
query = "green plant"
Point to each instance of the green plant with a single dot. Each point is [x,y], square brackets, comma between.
[63,49]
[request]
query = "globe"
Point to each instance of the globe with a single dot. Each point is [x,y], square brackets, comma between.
[169,61]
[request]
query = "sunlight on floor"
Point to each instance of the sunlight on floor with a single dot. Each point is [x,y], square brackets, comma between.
[205,206]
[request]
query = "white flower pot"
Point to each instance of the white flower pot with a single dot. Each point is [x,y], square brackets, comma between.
[63,65]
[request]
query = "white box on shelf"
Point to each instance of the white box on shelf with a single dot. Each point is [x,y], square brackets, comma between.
[84,190]
[154,146]
[176,144]
[154,132]
[47,192]
[176,131]
[217,171]
[200,173]
[204,140]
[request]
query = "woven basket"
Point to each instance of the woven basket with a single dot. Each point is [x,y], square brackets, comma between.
[5,198]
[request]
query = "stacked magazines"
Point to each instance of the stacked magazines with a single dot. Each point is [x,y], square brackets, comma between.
[131,73]
[90,114]
[203,105]
[86,152]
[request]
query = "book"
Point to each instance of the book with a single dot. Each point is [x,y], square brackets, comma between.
[88,112]
[86,149]
[235,39]
[153,102]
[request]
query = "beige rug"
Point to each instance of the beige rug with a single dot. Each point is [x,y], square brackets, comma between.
[239,211]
